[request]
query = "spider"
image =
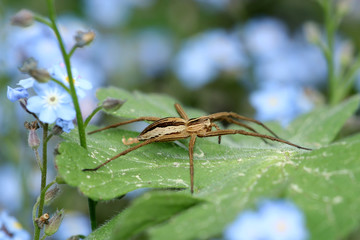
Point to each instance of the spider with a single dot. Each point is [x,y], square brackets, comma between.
[175,128]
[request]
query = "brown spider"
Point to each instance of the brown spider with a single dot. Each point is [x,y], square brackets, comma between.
[175,128]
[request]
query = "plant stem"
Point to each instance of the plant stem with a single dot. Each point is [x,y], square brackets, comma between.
[43,178]
[92,212]
[81,129]
[329,53]
[88,119]
[79,118]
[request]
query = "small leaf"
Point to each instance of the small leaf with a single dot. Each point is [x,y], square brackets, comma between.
[321,126]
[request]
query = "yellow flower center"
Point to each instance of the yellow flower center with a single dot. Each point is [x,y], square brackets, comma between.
[273,101]
[67,79]
[52,100]
[281,226]
[17,225]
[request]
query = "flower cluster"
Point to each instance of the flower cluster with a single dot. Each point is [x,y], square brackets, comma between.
[275,220]
[10,228]
[52,102]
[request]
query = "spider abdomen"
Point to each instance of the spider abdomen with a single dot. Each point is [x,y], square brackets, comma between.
[164,126]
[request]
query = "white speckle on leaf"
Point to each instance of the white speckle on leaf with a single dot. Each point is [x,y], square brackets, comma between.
[138,177]
[199,155]
[113,149]
[337,200]
[241,174]
[239,160]
[308,170]
[296,188]
[132,110]
[176,164]
[88,176]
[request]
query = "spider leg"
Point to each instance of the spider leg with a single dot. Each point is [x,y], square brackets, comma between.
[222,115]
[217,128]
[181,111]
[191,158]
[164,138]
[122,153]
[151,119]
[233,131]
[230,120]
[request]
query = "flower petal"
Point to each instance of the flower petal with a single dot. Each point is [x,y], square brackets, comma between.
[66,112]
[26,83]
[35,104]
[14,94]
[48,115]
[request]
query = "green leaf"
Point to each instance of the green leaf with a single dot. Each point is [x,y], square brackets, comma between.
[228,178]
[321,126]
[325,190]
[139,104]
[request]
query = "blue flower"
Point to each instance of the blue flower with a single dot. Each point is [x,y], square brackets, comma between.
[203,57]
[81,85]
[275,220]
[65,125]
[10,185]
[282,103]
[11,229]
[51,103]
[154,51]
[112,12]
[14,94]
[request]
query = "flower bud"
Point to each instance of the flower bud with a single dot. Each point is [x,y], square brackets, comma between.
[40,75]
[347,53]
[112,104]
[54,223]
[84,38]
[312,32]
[41,221]
[23,18]
[52,194]
[33,139]
[30,66]
[343,7]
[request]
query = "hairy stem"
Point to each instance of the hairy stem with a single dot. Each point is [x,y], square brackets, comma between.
[43,178]
[79,118]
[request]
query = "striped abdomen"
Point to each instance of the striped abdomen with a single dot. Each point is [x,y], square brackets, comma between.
[163,126]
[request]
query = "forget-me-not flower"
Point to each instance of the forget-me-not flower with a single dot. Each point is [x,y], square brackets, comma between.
[66,126]
[11,229]
[14,94]
[81,85]
[275,220]
[282,103]
[204,56]
[10,185]
[51,103]
[154,51]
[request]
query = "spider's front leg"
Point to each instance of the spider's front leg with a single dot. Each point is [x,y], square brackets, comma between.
[150,119]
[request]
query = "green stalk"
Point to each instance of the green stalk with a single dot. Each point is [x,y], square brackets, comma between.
[88,119]
[43,178]
[329,53]
[80,122]
[81,129]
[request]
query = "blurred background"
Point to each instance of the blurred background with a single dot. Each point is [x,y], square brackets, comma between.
[247,56]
